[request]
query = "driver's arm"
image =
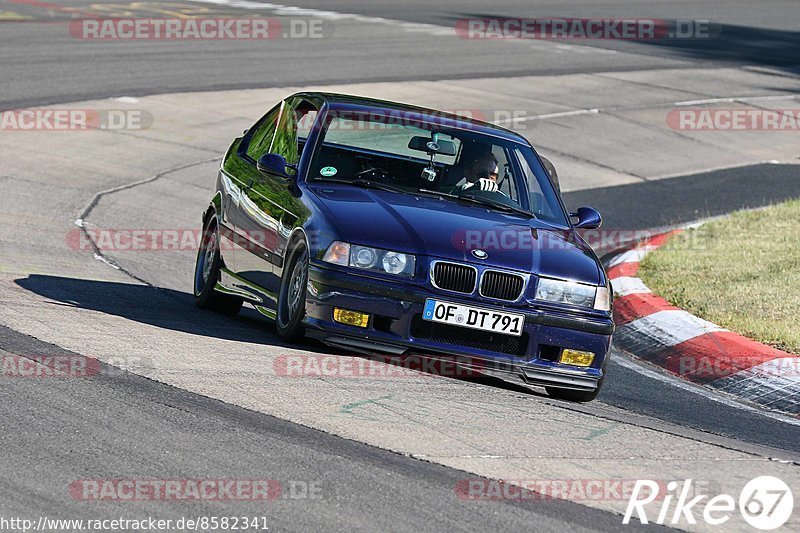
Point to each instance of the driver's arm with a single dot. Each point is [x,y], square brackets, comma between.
[483,184]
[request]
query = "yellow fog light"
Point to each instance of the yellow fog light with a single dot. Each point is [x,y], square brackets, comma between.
[351,318]
[576,357]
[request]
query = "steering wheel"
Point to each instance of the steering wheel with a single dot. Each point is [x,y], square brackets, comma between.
[497,196]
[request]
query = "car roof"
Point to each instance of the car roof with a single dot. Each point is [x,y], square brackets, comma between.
[346,102]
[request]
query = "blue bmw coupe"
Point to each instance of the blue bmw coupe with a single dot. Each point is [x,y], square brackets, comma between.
[386,228]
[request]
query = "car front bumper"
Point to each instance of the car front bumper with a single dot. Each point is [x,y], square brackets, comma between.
[396,328]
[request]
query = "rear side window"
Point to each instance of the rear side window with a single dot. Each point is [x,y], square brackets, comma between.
[285,139]
[305,122]
[261,139]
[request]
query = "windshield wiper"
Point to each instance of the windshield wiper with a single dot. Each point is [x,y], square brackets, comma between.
[481,201]
[497,205]
[366,184]
[435,194]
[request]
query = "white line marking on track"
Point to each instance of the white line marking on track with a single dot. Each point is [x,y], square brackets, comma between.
[591,111]
[734,99]
[293,11]
[596,110]
[449,31]
[582,49]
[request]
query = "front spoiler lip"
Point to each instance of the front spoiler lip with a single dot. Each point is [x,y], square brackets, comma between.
[538,317]
[533,376]
[531,373]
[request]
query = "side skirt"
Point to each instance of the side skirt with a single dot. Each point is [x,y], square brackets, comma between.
[230,283]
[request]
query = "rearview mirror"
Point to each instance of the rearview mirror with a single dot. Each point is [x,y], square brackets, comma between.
[588,218]
[274,164]
[426,144]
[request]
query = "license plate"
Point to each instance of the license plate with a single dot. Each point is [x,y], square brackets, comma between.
[473,317]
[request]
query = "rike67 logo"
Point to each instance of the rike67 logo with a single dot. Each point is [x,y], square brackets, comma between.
[765,503]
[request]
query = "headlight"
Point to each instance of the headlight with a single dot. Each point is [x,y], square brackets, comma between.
[363,257]
[395,263]
[578,294]
[337,253]
[373,259]
[602,302]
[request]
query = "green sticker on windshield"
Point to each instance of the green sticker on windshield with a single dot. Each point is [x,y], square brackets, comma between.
[328,171]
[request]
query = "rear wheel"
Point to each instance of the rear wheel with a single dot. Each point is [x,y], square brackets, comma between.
[207,272]
[292,296]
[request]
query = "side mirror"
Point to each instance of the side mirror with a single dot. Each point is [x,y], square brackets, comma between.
[274,164]
[588,218]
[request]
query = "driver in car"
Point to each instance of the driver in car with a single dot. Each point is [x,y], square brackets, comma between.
[482,173]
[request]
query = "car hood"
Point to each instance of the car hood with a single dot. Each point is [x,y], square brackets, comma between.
[449,230]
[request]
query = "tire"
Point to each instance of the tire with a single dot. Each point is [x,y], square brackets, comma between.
[578,396]
[292,296]
[206,275]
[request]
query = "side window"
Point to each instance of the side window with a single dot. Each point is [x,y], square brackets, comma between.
[305,122]
[540,205]
[285,139]
[283,130]
[508,185]
[261,139]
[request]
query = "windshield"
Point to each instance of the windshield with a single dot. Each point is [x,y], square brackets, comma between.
[401,152]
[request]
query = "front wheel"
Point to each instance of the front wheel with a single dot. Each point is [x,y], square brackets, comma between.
[292,296]
[206,275]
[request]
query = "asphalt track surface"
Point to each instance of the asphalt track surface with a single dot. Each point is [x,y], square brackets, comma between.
[44,64]
[53,433]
